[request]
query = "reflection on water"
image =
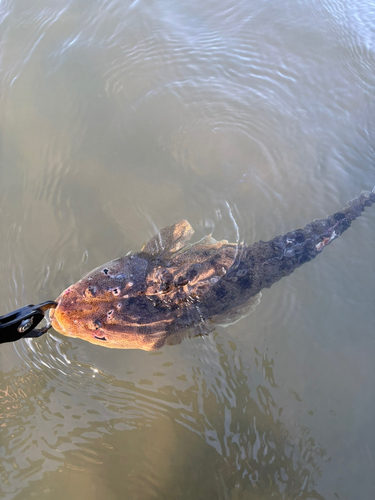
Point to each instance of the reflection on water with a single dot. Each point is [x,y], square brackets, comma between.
[248,119]
[228,426]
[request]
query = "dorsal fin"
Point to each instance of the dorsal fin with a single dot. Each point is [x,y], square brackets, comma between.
[169,239]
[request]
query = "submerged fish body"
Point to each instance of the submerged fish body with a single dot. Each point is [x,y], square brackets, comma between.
[147,299]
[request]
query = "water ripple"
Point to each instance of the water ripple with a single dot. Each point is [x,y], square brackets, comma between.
[115,117]
[75,406]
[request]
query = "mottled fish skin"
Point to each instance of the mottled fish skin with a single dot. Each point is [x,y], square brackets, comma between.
[147,299]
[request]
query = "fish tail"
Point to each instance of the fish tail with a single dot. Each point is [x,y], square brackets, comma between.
[266,262]
[322,232]
[270,261]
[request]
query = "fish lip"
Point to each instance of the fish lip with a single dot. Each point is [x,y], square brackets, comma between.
[52,311]
[53,319]
[51,314]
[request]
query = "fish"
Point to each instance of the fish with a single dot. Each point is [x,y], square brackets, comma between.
[172,288]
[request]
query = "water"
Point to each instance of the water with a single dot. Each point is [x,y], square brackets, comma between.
[249,119]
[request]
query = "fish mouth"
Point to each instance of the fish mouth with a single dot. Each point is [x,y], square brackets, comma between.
[52,312]
[53,317]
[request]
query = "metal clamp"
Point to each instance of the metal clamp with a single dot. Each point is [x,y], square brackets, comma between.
[21,323]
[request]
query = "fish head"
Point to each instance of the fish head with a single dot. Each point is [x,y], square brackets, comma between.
[107,307]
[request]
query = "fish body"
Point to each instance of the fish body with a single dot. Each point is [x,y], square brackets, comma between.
[147,299]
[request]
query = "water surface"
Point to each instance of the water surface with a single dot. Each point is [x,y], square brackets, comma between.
[248,119]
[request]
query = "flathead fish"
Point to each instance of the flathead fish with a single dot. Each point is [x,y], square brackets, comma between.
[147,299]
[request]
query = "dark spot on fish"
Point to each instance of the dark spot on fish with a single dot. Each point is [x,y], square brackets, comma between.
[105,271]
[181,281]
[221,293]
[214,259]
[109,313]
[304,256]
[115,291]
[91,291]
[97,323]
[278,244]
[245,281]
[338,216]
[344,224]
[299,236]
[100,338]
[191,274]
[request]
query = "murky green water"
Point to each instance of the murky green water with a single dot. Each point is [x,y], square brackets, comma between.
[249,119]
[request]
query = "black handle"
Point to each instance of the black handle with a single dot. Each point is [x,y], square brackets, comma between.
[21,323]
